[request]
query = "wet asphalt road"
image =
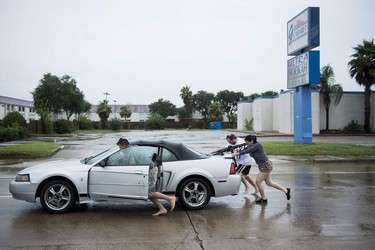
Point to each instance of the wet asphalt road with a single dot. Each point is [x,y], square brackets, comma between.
[332,206]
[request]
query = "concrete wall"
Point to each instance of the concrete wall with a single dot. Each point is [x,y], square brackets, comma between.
[277,113]
[263,114]
[283,113]
[246,109]
[351,107]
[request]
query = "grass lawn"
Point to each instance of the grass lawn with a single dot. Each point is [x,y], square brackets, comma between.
[29,150]
[317,149]
[45,149]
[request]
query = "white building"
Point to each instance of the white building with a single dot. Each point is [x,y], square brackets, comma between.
[9,104]
[276,114]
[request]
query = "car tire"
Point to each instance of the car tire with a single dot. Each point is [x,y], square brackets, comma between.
[194,194]
[57,197]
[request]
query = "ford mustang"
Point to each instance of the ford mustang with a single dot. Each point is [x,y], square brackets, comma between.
[192,176]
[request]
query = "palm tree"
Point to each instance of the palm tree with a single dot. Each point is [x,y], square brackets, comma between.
[362,68]
[215,111]
[103,110]
[125,112]
[328,89]
[186,94]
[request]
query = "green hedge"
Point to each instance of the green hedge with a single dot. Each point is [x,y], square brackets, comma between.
[63,127]
[15,132]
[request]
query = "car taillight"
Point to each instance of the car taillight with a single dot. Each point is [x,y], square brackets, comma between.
[232,168]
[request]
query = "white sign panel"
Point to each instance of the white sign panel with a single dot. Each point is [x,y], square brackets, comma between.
[303,31]
[298,32]
[298,70]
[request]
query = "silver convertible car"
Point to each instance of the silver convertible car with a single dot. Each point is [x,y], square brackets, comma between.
[113,176]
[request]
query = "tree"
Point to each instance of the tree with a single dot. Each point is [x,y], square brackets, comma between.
[229,100]
[252,97]
[163,107]
[328,89]
[54,94]
[155,121]
[362,68]
[86,107]
[14,117]
[125,112]
[269,93]
[103,110]
[201,101]
[215,111]
[45,95]
[186,95]
[72,99]
[181,113]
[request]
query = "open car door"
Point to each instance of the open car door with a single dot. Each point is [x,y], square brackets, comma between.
[122,175]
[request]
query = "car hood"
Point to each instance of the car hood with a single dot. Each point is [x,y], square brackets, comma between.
[72,165]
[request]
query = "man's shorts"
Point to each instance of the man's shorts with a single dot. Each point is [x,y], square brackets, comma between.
[244,170]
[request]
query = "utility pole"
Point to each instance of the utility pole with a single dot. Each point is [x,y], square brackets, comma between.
[106,94]
[115,107]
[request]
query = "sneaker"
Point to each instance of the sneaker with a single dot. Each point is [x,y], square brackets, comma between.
[261,201]
[288,194]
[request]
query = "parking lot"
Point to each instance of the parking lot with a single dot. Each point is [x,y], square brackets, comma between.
[332,206]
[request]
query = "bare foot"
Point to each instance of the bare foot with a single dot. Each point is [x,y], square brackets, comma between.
[161,212]
[246,191]
[173,202]
[255,192]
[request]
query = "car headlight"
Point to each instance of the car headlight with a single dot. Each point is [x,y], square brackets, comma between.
[23,178]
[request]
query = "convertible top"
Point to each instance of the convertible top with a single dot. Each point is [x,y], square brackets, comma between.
[180,150]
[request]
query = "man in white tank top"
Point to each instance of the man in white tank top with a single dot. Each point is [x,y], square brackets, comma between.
[245,162]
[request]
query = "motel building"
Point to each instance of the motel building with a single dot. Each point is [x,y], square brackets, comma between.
[24,107]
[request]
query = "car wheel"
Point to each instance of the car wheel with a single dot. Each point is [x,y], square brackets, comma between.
[194,194]
[57,197]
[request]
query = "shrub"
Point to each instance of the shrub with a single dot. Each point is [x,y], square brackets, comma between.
[85,123]
[249,124]
[116,124]
[63,127]
[353,126]
[13,132]
[155,121]
[13,117]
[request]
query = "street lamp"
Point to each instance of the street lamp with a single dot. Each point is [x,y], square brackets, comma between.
[106,94]
[115,107]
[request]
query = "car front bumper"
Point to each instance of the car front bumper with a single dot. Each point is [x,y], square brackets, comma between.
[23,190]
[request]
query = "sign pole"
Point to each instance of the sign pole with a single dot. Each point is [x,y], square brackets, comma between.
[302,115]
[304,69]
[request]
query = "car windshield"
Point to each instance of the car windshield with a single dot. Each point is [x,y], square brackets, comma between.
[92,159]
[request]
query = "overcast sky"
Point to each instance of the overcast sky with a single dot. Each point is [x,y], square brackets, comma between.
[142,50]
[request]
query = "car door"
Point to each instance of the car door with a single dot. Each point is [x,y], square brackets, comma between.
[122,175]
